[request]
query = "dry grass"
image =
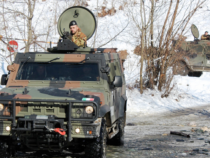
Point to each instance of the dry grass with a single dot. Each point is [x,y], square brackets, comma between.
[80,3]
[137,50]
[104,12]
[121,7]
[123,54]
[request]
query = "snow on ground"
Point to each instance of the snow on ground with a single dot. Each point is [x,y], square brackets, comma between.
[3,68]
[188,92]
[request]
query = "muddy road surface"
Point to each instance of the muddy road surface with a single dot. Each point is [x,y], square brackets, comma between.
[149,136]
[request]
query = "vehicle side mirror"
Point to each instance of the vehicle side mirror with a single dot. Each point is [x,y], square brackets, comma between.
[105,69]
[4,79]
[117,81]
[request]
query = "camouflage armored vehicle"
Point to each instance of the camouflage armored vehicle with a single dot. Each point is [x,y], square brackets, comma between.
[67,101]
[198,60]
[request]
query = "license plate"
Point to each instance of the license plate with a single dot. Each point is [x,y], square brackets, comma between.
[41,117]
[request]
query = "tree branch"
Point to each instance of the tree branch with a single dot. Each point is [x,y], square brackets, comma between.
[114,36]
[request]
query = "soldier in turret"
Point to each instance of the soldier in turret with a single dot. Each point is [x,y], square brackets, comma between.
[205,36]
[79,38]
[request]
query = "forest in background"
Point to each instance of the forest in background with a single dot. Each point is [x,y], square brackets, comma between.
[146,28]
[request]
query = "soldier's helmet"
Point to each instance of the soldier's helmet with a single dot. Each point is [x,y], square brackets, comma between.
[73,22]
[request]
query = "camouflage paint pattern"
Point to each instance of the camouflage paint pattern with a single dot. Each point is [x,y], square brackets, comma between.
[79,39]
[110,100]
[61,101]
[198,58]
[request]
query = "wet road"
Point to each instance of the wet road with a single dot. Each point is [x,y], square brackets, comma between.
[163,146]
[149,136]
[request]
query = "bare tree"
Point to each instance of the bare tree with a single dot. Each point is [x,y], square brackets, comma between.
[31,6]
[156,48]
[25,15]
[167,52]
[143,30]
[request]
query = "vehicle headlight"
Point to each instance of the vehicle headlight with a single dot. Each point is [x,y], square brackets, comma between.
[1,107]
[89,109]
[77,130]
[8,128]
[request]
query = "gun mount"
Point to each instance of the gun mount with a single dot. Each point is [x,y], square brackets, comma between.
[86,22]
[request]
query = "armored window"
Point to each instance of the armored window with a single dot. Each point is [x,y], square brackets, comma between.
[58,71]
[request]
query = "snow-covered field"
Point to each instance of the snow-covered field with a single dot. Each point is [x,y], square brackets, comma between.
[188,92]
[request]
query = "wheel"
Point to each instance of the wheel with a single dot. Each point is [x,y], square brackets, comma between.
[4,150]
[181,69]
[97,147]
[195,74]
[118,139]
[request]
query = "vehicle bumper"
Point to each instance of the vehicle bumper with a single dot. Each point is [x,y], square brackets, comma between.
[35,124]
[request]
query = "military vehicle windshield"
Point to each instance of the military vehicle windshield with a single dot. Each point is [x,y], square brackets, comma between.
[58,71]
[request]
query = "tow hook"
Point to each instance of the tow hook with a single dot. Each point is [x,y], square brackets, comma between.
[57,130]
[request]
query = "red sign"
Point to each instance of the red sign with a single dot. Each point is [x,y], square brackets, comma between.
[13,46]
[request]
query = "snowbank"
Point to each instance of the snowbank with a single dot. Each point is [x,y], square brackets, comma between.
[188,92]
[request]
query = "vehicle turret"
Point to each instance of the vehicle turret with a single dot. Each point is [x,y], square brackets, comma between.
[86,21]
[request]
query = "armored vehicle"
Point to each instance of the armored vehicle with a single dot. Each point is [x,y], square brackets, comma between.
[70,100]
[198,60]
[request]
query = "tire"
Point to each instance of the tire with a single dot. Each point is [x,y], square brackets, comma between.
[118,139]
[181,69]
[195,74]
[97,147]
[4,150]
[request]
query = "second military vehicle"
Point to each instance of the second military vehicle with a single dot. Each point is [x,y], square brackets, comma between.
[67,101]
[198,60]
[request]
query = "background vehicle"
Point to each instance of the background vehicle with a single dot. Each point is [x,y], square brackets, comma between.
[66,101]
[198,58]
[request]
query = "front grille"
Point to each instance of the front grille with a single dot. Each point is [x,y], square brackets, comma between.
[24,109]
[58,109]
[62,110]
[50,110]
[36,110]
[42,108]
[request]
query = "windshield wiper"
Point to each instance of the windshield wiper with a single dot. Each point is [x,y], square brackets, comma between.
[83,61]
[25,62]
[53,59]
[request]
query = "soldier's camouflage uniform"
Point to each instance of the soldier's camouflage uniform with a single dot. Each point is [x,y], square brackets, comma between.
[205,37]
[79,38]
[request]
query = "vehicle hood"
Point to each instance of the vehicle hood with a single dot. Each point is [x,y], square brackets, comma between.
[49,93]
